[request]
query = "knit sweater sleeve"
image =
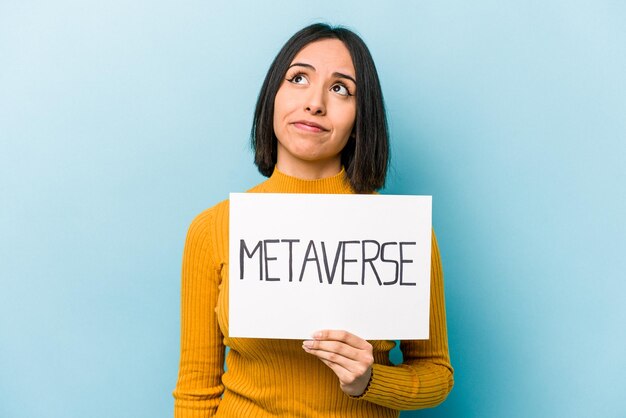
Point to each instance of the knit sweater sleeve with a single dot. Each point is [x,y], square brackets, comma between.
[199,387]
[425,377]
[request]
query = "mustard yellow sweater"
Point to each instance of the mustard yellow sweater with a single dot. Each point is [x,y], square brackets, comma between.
[276,378]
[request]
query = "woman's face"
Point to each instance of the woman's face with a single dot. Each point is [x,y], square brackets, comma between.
[315,108]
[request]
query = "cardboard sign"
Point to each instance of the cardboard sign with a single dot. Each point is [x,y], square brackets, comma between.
[300,263]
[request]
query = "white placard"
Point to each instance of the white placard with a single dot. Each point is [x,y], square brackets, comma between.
[300,263]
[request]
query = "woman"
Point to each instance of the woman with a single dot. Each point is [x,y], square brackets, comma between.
[319,127]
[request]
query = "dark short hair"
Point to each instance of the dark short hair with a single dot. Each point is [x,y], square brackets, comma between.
[366,155]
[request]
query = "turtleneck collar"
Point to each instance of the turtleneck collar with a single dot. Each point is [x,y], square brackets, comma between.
[283,183]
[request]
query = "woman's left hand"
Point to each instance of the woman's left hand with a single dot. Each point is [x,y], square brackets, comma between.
[349,356]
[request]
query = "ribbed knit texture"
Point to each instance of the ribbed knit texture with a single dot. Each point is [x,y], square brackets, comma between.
[276,378]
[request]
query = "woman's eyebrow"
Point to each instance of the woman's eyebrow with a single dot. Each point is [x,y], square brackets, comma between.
[341,75]
[335,74]
[301,64]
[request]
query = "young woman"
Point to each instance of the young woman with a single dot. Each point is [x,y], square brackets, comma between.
[319,127]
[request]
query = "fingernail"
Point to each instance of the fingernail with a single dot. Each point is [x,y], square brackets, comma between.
[317,335]
[307,343]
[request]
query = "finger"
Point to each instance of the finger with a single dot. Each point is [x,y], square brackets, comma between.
[346,379]
[340,335]
[331,356]
[347,364]
[342,373]
[336,347]
[342,342]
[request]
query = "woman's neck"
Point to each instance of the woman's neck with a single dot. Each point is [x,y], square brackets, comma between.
[310,170]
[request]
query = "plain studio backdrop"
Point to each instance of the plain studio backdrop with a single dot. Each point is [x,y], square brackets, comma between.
[122,120]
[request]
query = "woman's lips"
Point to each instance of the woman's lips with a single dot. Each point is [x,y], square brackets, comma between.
[309,126]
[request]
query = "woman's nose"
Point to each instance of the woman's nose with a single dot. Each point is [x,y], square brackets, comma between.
[315,102]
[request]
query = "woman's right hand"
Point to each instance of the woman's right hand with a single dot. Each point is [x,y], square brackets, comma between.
[348,355]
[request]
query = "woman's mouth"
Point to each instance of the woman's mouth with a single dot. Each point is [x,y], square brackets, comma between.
[309,126]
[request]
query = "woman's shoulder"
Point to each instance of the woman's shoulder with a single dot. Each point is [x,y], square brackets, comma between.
[211,218]
[217,215]
[260,188]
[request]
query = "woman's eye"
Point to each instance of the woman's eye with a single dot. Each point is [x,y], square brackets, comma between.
[298,79]
[341,89]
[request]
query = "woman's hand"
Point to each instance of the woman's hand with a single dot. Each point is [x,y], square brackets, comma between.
[349,356]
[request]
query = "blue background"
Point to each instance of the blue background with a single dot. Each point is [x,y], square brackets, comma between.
[120,121]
